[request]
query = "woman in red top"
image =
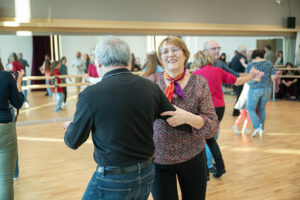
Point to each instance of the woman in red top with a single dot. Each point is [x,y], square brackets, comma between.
[16,65]
[215,76]
[59,90]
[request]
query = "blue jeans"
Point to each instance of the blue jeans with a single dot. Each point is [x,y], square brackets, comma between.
[8,156]
[48,89]
[257,99]
[60,97]
[24,83]
[209,159]
[136,185]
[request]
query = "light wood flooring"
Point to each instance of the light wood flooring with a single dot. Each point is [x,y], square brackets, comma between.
[265,168]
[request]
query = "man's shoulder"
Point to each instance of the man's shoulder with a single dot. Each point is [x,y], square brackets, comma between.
[145,81]
[219,63]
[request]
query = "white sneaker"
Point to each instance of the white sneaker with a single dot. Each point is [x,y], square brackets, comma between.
[258,130]
[261,132]
[235,130]
[26,104]
[63,104]
[245,130]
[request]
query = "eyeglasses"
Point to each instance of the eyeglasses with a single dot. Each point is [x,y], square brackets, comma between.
[174,50]
[215,48]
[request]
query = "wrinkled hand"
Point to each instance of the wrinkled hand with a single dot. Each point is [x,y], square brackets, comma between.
[260,74]
[66,124]
[254,72]
[243,62]
[178,117]
[286,84]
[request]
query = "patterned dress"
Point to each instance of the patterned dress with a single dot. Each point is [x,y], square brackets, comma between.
[173,146]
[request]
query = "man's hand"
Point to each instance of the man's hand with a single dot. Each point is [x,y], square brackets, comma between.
[66,124]
[178,117]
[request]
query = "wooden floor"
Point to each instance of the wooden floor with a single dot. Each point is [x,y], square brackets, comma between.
[265,168]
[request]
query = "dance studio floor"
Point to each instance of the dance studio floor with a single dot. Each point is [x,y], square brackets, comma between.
[257,168]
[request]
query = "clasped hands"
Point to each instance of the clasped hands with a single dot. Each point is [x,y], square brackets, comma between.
[256,73]
[177,117]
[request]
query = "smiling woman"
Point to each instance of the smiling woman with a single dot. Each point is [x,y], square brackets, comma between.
[177,153]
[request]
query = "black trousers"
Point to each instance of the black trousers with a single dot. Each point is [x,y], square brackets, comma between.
[65,93]
[191,176]
[284,91]
[213,145]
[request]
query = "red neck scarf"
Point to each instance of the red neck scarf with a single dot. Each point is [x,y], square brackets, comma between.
[174,86]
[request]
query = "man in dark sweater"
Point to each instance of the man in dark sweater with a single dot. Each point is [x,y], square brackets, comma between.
[120,111]
[238,67]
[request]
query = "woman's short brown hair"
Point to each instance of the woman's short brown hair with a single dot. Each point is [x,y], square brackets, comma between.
[177,42]
[202,58]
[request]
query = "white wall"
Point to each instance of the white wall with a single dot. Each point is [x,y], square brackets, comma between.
[85,44]
[197,11]
[11,43]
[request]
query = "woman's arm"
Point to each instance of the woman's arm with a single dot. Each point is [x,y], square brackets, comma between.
[252,74]
[16,96]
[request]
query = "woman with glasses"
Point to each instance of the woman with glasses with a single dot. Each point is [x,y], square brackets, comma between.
[177,153]
[10,93]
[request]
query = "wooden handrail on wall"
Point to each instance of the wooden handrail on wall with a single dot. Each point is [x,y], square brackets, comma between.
[42,86]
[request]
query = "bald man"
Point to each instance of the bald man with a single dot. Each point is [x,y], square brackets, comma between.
[214,50]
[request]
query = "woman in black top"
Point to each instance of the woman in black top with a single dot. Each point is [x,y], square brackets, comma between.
[10,93]
[289,87]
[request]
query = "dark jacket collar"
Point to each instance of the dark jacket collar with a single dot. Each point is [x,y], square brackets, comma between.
[116,71]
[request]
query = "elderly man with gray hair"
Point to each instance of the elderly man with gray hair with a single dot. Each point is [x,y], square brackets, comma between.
[214,51]
[119,111]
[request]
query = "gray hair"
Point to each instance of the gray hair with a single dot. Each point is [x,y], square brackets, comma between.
[112,52]
[242,49]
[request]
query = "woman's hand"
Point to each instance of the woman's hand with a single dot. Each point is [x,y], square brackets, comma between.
[66,124]
[178,117]
[19,80]
[254,72]
[259,75]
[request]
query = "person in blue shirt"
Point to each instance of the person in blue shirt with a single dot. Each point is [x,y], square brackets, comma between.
[259,92]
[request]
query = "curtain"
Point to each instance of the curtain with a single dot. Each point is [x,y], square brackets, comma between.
[289,45]
[41,46]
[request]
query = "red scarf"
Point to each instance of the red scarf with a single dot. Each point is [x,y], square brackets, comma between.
[174,86]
